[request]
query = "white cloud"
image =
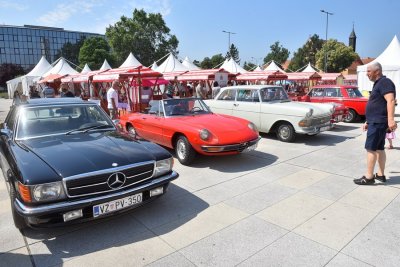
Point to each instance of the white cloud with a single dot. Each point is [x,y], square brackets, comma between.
[10,5]
[63,12]
[152,6]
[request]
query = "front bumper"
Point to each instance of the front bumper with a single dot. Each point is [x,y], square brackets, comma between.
[316,128]
[52,213]
[230,148]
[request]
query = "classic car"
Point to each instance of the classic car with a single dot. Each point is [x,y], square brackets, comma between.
[347,95]
[188,126]
[65,161]
[270,109]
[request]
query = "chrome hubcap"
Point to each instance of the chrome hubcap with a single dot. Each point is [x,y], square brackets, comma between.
[284,132]
[181,149]
[131,130]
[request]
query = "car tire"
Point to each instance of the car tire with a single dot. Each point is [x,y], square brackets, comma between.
[131,130]
[352,116]
[19,221]
[285,132]
[184,150]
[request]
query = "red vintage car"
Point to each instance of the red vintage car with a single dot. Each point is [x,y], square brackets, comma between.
[347,95]
[188,126]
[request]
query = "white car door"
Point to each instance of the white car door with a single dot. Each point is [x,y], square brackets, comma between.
[223,104]
[272,109]
[247,105]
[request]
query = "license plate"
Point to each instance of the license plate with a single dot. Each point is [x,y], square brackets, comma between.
[117,204]
[326,128]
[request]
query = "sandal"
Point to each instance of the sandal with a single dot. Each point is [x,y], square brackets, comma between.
[364,181]
[380,178]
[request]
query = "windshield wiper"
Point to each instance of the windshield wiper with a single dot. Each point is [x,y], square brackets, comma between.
[89,128]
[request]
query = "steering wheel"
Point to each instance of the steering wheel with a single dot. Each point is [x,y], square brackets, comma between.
[196,109]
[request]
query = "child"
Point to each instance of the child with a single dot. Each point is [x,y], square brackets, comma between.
[390,135]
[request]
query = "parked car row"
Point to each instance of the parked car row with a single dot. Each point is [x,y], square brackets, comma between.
[65,161]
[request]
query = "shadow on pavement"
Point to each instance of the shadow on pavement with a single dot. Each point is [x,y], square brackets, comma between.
[344,128]
[393,180]
[64,243]
[321,139]
[234,163]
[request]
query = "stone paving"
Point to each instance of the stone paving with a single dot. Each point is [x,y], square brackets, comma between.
[281,205]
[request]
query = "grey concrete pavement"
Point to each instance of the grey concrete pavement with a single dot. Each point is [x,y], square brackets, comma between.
[281,205]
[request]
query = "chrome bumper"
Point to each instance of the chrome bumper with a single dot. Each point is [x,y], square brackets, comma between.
[29,211]
[316,129]
[230,148]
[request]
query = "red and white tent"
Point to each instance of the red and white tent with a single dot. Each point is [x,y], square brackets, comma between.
[262,76]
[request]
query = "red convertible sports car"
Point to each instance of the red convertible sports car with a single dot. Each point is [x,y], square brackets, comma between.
[188,126]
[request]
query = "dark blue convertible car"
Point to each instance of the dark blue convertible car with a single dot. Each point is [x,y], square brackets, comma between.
[65,161]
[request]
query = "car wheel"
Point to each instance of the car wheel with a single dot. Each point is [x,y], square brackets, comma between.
[285,132]
[19,221]
[351,116]
[184,150]
[131,130]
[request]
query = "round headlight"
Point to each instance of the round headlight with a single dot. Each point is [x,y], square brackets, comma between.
[309,113]
[252,126]
[204,134]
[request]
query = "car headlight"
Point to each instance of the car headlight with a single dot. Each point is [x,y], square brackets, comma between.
[48,192]
[163,166]
[309,113]
[204,134]
[252,126]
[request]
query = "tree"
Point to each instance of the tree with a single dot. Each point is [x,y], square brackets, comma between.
[145,35]
[306,54]
[93,52]
[249,66]
[339,56]
[214,61]
[9,71]
[233,53]
[70,51]
[278,53]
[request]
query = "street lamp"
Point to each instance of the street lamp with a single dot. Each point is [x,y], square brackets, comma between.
[326,37]
[229,38]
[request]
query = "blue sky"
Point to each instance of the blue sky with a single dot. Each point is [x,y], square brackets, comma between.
[198,25]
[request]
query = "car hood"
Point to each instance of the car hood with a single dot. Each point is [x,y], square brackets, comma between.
[215,123]
[74,154]
[296,108]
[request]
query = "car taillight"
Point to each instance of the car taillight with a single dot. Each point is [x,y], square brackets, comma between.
[24,192]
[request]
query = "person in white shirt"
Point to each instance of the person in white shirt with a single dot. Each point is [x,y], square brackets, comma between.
[215,89]
[112,99]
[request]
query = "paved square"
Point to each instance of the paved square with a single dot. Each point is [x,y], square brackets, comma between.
[281,205]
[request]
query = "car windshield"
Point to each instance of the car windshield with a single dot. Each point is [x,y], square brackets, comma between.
[354,92]
[273,94]
[53,120]
[185,106]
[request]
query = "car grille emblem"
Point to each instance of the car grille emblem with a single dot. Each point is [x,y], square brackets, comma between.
[116,180]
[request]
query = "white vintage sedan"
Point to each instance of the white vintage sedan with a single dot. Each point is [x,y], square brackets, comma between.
[271,110]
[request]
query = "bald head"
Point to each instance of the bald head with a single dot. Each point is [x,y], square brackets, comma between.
[374,71]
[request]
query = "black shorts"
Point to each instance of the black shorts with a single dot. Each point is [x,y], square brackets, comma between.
[376,136]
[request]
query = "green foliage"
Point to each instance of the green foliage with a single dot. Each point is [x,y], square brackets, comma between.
[339,56]
[70,51]
[278,53]
[307,53]
[214,61]
[249,66]
[93,52]
[8,72]
[233,53]
[145,35]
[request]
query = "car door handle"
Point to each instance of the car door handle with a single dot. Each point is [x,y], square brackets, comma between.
[236,105]
[143,118]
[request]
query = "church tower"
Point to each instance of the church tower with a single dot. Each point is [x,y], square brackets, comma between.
[352,39]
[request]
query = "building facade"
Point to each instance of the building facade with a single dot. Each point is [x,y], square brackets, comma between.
[25,45]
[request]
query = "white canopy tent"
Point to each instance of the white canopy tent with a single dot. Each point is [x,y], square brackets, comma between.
[131,61]
[154,66]
[171,64]
[309,68]
[232,67]
[274,67]
[105,65]
[22,83]
[189,64]
[62,67]
[390,61]
[86,69]
[258,69]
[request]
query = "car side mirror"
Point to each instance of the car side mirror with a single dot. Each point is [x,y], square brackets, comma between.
[5,132]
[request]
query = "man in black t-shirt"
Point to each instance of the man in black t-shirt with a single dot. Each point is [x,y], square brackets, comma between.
[379,119]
